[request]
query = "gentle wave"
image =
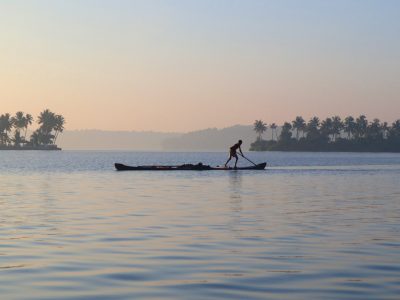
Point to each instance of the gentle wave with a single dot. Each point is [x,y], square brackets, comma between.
[293,231]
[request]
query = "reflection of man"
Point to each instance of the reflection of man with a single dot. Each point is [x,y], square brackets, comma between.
[232,152]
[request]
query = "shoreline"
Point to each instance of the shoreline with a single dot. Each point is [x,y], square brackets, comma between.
[42,148]
[341,145]
[326,151]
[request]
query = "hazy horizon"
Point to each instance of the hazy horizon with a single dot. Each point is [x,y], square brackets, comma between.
[179,66]
[208,139]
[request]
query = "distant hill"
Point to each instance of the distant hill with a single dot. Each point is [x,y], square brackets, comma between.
[113,140]
[212,139]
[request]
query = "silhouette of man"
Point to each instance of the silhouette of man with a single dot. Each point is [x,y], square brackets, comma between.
[232,152]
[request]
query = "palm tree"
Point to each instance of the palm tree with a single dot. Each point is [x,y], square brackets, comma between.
[19,123]
[299,124]
[28,121]
[303,128]
[361,126]
[6,125]
[394,131]
[2,129]
[385,129]
[286,133]
[59,126]
[374,130]
[260,127]
[326,127]
[18,120]
[36,138]
[273,127]
[337,126]
[312,128]
[17,139]
[50,127]
[47,122]
[349,126]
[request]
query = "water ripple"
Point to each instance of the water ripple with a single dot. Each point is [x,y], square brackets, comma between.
[320,226]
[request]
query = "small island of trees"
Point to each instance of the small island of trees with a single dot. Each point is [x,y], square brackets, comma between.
[331,134]
[13,131]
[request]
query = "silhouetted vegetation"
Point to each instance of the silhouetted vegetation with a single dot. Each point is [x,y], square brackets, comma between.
[13,131]
[260,127]
[331,134]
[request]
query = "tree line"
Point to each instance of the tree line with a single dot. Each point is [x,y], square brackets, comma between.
[13,130]
[330,134]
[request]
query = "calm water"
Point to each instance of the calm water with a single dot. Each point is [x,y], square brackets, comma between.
[312,226]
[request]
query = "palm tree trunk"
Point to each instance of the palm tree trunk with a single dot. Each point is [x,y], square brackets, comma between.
[55,137]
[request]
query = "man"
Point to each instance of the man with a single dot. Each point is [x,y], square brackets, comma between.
[232,152]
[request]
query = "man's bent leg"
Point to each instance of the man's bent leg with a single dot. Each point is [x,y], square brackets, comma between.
[230,157]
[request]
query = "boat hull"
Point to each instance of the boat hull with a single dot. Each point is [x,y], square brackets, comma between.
[189,167]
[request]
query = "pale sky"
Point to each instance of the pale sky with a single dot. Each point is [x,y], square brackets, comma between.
[186,65]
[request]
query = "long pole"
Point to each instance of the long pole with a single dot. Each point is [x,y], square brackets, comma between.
[247,159]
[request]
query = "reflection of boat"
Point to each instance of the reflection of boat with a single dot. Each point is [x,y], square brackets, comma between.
[186,167]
